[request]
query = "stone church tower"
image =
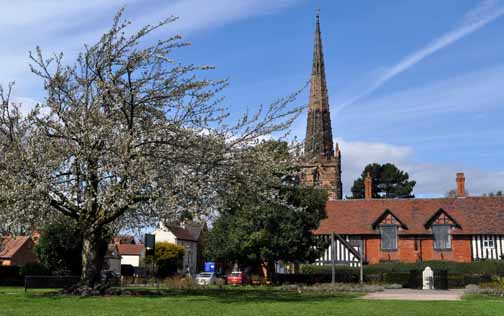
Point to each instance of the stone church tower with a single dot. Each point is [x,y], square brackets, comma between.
[321,165]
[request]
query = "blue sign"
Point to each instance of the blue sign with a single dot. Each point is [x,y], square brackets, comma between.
[209,266]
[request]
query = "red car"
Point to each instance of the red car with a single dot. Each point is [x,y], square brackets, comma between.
[237,278]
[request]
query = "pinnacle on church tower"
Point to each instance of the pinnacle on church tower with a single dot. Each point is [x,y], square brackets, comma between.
[318,139]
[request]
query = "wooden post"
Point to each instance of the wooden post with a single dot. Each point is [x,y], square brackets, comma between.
[361,252]
[333,260]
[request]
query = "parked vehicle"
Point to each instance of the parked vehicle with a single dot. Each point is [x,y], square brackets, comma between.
[205,278]
[237,278]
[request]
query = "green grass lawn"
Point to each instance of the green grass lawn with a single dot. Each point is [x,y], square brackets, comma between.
[236,302]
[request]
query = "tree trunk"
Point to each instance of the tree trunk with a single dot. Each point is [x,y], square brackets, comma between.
[93,252]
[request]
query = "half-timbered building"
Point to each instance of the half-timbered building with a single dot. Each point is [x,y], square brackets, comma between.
[461,229]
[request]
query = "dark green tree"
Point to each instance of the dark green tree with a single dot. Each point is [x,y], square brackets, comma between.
[255,230]
[60,247]
[492,194]
[388,182]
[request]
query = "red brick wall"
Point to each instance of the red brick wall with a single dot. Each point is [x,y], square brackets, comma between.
[461,250]
[24,255]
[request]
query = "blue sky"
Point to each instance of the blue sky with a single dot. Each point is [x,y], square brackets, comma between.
[416,83]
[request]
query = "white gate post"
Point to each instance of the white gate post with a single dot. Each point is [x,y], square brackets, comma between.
[428,279]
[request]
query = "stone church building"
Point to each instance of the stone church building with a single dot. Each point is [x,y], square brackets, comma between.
[461,228]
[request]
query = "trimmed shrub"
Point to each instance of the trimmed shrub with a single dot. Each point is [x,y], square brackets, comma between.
[459,273]
[401,278]
[373,278]
[490,267]
[168,258]
[314,269]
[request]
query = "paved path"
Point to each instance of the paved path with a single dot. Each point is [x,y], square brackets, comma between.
[416,295]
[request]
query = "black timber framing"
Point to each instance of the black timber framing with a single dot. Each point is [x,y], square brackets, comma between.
[348,246]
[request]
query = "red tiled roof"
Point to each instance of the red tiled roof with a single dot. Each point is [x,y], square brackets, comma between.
[130,249]
[475,215]
[124,240]
[12,246]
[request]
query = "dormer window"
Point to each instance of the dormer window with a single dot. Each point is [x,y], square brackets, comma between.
[442,237]
[441,224]
[388,224]
[388,234]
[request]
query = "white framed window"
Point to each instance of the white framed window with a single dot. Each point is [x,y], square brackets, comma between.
[488,242]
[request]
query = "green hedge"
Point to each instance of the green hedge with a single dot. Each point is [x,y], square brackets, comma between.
[459,274]
[314,269]
[489,267]
[396,278]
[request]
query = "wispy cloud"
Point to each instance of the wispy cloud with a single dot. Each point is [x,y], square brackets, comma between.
[455,119]
[66,25]
[483,14]
[473,92]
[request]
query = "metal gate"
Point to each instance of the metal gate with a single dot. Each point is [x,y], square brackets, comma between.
[441,279]
[415,279]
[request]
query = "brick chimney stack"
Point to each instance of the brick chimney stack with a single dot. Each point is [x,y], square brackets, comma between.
[368,187]
[460,185]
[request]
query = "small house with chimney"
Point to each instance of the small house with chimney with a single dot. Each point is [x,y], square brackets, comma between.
[189,235]
[460,228]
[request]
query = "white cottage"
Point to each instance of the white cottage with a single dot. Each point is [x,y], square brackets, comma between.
[187,236]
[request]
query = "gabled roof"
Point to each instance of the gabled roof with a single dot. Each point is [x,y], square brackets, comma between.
[181,233]
[475,215]
[124,240]
[12,246]
[196,229]
[434,217]
[384,215]
[131,249]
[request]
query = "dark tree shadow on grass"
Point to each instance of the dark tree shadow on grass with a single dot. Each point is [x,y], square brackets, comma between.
[243,295]
[226,295]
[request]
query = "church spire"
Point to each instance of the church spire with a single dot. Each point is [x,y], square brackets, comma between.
[318,129]
[318,55]
[321,165]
